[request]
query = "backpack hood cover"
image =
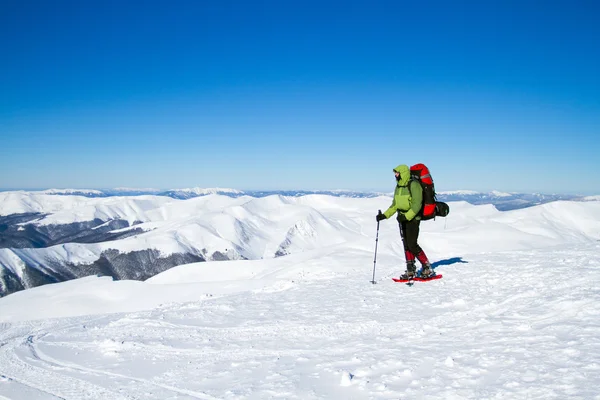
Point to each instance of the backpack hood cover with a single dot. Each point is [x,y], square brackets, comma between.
[404,174]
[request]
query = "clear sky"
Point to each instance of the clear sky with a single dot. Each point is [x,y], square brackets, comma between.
[500,95]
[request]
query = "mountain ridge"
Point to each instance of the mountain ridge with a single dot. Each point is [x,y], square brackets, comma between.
[138,237]
[504,201]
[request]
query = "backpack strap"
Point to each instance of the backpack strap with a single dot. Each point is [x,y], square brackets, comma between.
[410,181]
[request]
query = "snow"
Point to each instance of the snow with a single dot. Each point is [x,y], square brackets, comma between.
[205,191]
[459,192]
[493,193]
[32,202]
[68,209]
[130,189]
[243,227]
[500,194]
[71,191]
[509,319]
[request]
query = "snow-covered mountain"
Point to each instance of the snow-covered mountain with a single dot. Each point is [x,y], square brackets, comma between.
[190,193]
[47,239]
[75,192]
[127,191]
[509,318]
[501,200]
[506,201]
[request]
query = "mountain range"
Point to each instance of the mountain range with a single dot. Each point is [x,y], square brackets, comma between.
[300,310]
[49,237]
[503,201]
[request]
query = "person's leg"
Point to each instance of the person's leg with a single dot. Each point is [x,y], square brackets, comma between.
[411,237]
[408,254]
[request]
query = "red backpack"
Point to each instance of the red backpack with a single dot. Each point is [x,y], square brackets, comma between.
[431,208]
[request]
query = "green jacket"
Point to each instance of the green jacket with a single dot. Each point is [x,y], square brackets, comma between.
[407,202]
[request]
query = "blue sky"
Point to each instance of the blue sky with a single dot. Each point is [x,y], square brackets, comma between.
[500,95]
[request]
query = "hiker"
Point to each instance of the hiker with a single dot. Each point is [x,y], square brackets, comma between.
[408,202]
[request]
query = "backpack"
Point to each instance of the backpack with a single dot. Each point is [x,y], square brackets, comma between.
[431,208]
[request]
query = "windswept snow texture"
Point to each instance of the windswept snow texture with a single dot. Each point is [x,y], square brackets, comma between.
[509,320]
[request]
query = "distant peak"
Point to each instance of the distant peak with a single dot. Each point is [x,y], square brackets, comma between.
[199,190]
[460,193]
[71,191]
[129,189]
[500,194]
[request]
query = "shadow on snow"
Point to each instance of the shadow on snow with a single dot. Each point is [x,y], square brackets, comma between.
[448,261]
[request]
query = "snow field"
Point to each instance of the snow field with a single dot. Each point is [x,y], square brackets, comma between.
[502,325]
[514,317]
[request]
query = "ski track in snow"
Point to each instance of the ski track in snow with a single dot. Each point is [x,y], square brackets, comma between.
[518,325]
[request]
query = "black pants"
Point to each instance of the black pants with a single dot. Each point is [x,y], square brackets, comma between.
[410,234]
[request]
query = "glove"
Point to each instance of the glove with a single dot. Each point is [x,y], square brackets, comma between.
[401,217]
[380,217]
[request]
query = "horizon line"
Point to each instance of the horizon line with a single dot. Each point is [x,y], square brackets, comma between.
[159,190]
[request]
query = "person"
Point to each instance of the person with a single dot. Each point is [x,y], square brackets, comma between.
[407,203]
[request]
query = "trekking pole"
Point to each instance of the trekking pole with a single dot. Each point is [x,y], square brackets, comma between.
[375,259]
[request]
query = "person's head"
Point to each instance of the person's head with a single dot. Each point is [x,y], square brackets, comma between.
[402,174]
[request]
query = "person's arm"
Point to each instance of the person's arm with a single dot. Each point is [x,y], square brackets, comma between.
[392,210]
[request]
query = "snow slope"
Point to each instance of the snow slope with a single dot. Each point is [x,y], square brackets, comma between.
[507,320]
[253,228]
[214,225]
[69,209]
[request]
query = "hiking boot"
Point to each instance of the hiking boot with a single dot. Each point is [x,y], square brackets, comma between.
[410,270]
[426,271]
[407,275]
